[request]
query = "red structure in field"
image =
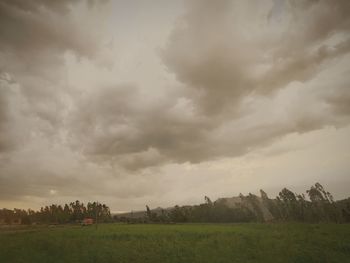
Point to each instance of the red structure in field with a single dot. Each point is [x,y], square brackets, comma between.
[87,221]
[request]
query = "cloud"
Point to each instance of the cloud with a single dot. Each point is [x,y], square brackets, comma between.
[232,78]
[33,28]
[34,38]
[117,123]
[247,81]
[228,50]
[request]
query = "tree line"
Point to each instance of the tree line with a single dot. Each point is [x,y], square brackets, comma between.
[57,214]
[317,205]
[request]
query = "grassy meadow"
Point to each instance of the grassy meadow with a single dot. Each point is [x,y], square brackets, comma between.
[177,243]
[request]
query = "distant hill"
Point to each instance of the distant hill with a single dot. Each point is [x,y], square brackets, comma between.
[231,202]
[317,205]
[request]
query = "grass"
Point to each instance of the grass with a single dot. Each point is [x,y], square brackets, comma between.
[178,243]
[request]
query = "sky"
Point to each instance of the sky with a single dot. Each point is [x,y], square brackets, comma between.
[164,102]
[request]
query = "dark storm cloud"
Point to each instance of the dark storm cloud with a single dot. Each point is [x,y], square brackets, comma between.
[245,75]
[34,36]
[5,140]
[224,57]
[37,32]
[118,123]
[225,60]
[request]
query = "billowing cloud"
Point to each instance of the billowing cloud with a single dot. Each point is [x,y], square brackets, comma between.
[34,38]
[246,76]
[115,100]
[231,49]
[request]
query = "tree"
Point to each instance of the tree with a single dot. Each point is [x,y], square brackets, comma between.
[323,205]
[271,205]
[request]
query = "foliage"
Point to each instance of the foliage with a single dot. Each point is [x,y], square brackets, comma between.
[287,206]
[148,243]
[57,214]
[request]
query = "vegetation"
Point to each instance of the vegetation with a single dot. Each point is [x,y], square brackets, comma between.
[280,242]
[285,240]
[319,206]
[57,214]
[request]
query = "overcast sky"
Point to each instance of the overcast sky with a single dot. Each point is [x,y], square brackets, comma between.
[162,102]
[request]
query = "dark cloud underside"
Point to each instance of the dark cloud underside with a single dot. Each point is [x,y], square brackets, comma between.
[231,78]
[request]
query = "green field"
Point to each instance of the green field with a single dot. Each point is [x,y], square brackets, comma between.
[177,243]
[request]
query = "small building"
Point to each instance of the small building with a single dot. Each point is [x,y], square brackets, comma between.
[87,221]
